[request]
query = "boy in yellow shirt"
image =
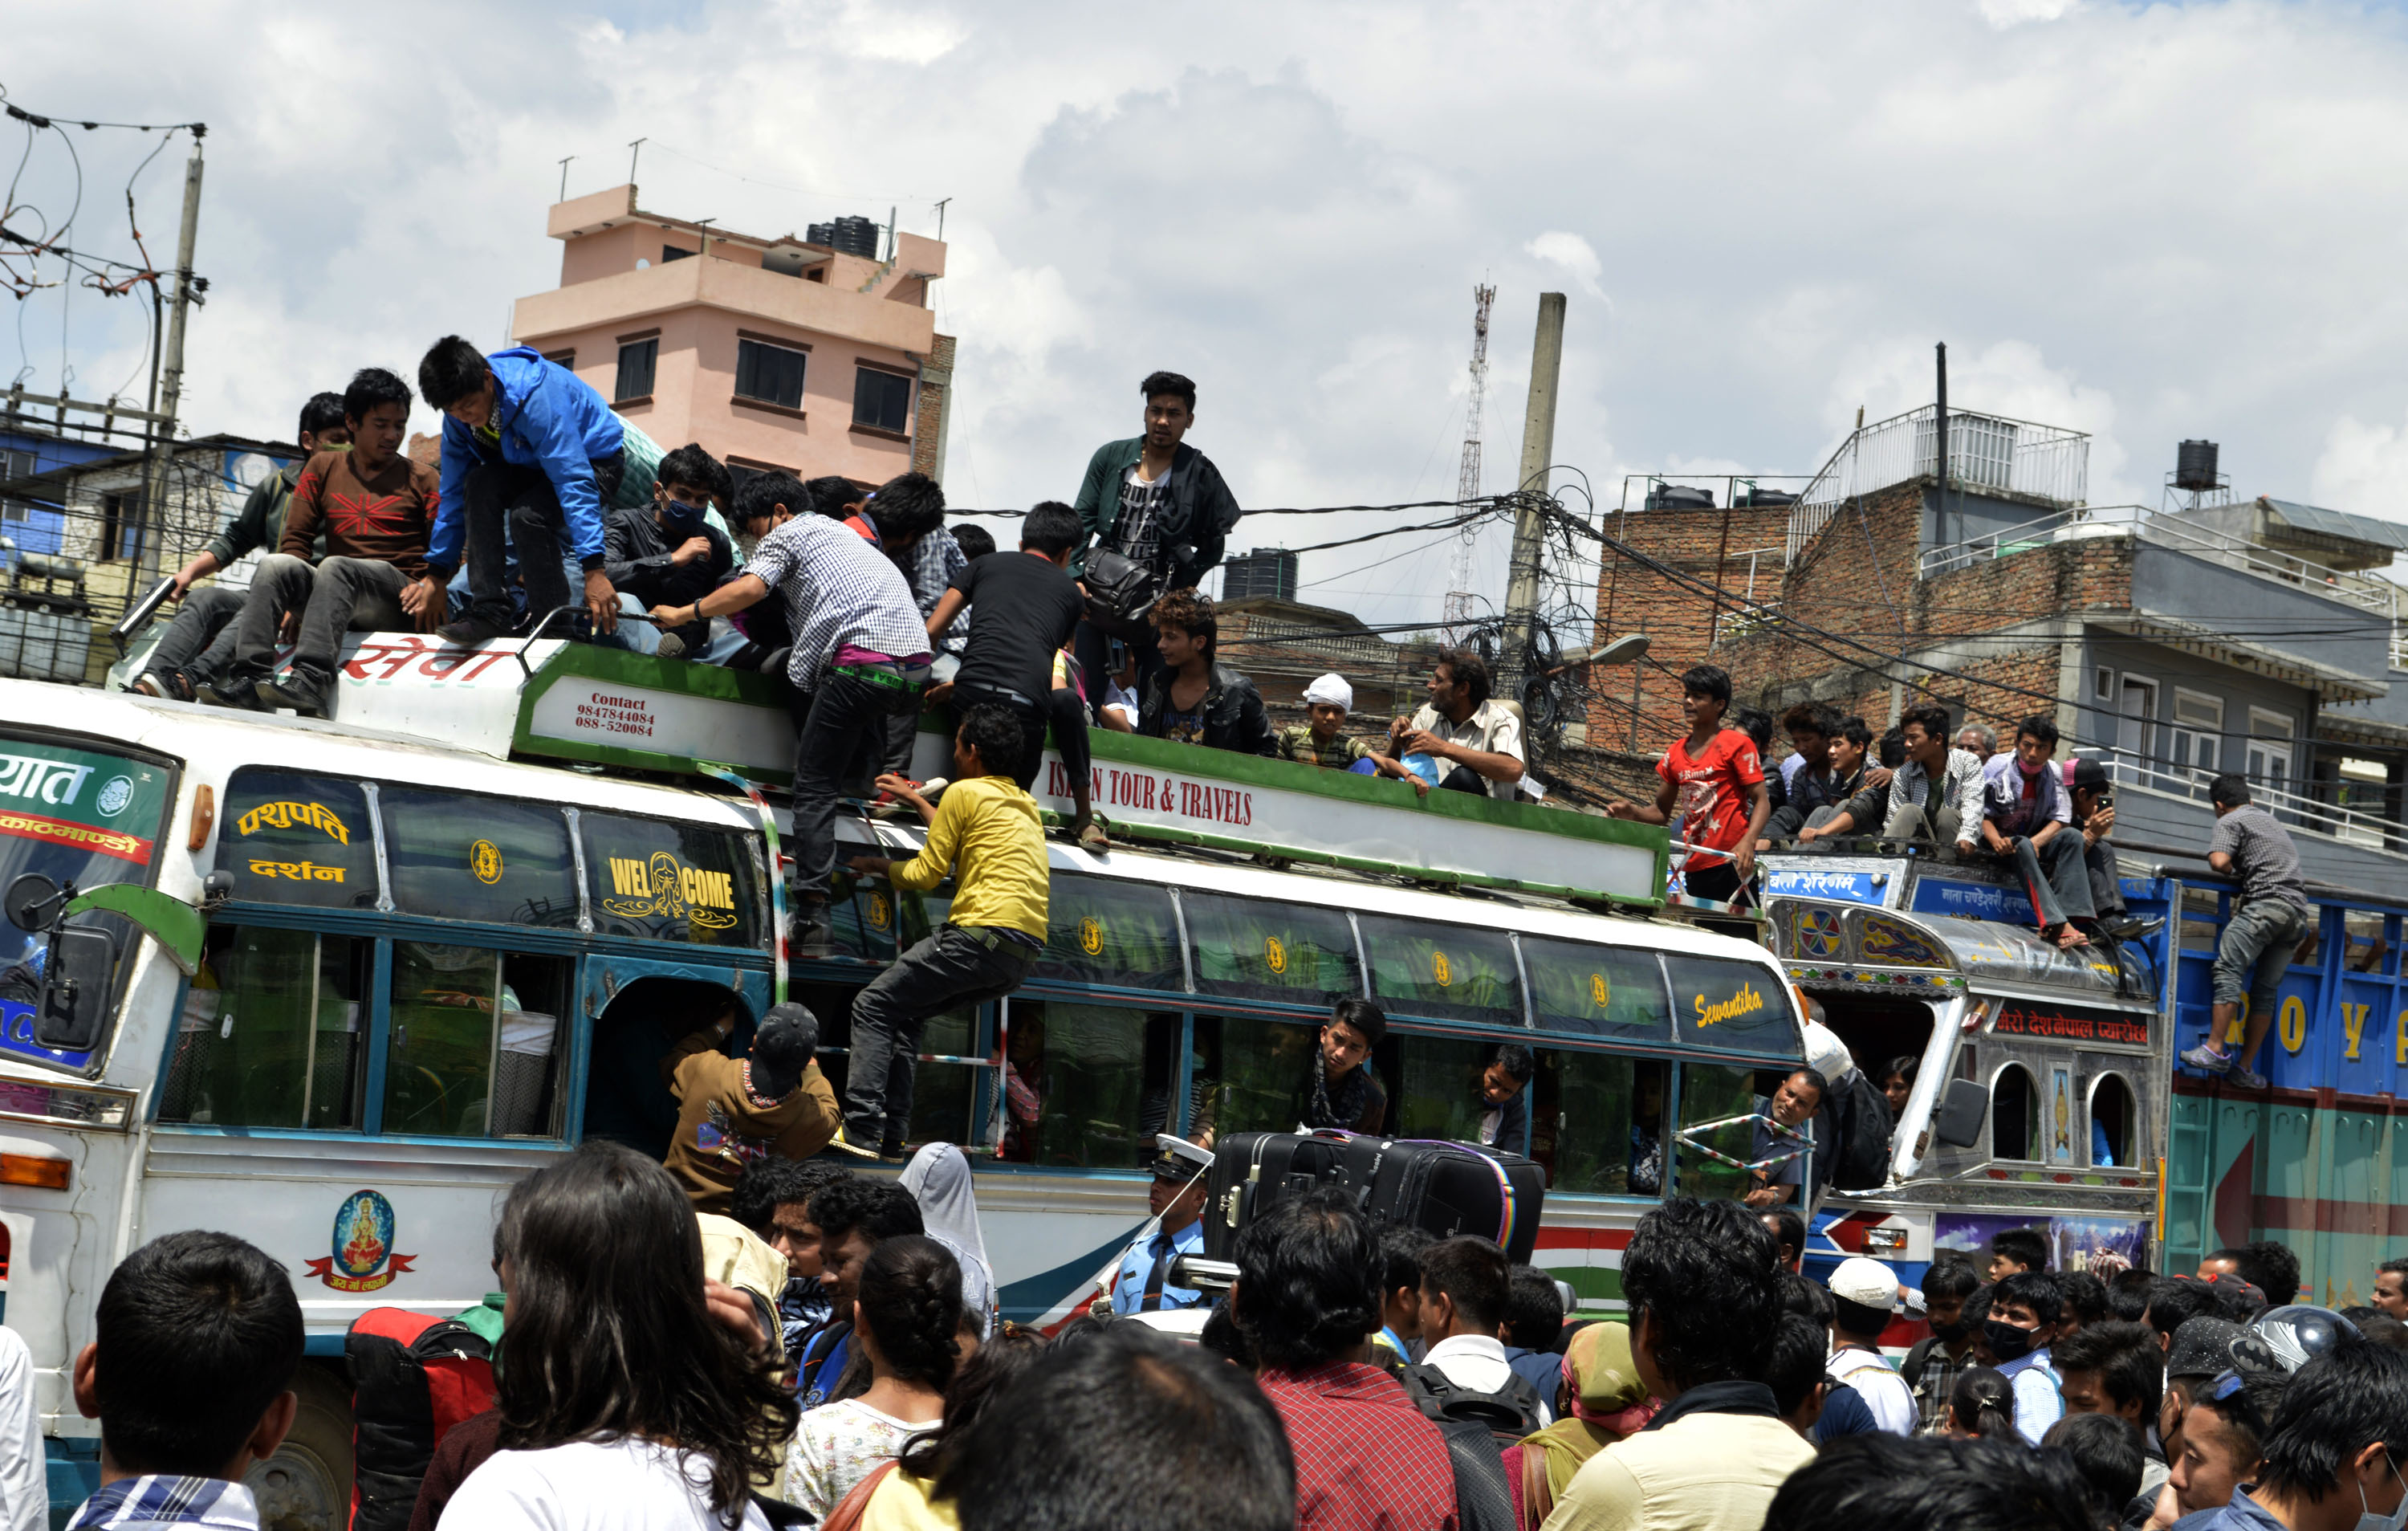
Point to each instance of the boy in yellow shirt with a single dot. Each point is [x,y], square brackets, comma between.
[987,836]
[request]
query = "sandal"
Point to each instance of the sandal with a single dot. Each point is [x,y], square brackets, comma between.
[1092,835]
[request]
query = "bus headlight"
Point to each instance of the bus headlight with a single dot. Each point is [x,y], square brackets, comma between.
[66,1106]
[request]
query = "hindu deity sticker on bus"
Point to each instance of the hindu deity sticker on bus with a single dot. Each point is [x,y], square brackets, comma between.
[115,794]
[1274,954]
[1442,970]
[1600,994]
[485,861]
[363,1259]
[1091,936]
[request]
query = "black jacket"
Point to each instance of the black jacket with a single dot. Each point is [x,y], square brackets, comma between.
[636,552]
[1234,718]
[1201,515]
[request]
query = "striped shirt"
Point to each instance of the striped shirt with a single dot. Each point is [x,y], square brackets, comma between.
[837,590]
[158,1499]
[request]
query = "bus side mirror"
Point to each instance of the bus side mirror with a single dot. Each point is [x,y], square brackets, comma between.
[1958,1121]
[75,989]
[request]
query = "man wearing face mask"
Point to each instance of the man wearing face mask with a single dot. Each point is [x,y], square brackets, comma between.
[2333,1453]
[2023,1310]
[667,553]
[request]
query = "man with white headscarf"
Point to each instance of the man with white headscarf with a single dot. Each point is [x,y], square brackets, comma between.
[938,1178]
[1327,703]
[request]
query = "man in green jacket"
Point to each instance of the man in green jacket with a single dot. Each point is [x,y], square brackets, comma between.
[1157,502]
[199,643]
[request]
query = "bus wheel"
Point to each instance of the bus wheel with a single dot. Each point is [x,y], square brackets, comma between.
[306,1486]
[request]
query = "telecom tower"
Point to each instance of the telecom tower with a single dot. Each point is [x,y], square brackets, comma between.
[1459,613]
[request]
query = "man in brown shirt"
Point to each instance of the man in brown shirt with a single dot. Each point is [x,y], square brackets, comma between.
[732,1111]
[375,507]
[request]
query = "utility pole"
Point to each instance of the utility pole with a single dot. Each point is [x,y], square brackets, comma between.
[1530,524]
[564,178]
[634,152]
[171,371]
[1458,611]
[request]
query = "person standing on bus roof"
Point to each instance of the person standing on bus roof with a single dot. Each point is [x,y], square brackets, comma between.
[984,834]
[1714,780]
[732,1111]
[1505,1100]
[1177,1197]
[198,646]
[1346,1093]
[2268,920]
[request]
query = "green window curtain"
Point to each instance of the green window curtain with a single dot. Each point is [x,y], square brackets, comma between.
[287,837]
[271,1033]
[1453,971]
[476,858]
[1253,948]
[438,1070]
[1104,931]
[1588,1104]
[1256,1076]
[1597,990]
[1710,1091]
[1440,1098]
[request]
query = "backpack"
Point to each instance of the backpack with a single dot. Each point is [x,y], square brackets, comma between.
[1860,1114]
[413,1377]
[1507,1415]
[1483,1499]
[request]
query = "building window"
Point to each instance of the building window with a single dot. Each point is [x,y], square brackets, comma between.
[636,362]
[881,400]
[562,358]
[772,374]
[15,465]
[2136,704]
[2270,749]
[2102,683]
[671,252]
[2196,738]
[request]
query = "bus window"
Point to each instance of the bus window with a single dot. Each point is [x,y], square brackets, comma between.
[1708,1092]
[1101,931]
[2113,1123]
[1454,972]
[660,881]
[2015,1114]
[452,1071]
[272,1034]
[289,838]
[1440,1093]
[494,859]
[1257,1075]
[1596,1122]
[1597,990]
[1252,948]
[1736,1007]
[1084,1080]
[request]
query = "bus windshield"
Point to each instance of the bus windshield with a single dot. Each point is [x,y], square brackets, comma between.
[74,816]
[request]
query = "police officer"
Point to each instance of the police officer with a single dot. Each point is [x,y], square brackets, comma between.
[1177,1197]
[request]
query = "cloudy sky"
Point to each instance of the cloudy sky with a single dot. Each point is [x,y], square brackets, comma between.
[2144,221]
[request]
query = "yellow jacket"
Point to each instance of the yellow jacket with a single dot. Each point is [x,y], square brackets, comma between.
[989,826]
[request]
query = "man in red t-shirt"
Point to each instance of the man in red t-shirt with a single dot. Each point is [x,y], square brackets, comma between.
[1714,783]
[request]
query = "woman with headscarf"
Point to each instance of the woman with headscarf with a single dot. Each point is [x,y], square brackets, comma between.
[1599,1402]
[938,1178]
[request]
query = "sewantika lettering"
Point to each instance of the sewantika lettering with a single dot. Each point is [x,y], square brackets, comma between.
[1748,1001]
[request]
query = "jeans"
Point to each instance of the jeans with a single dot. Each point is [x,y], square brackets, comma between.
[2256,947]
[1908,821]
[635,633]
[839,734]
[200,641]
[955,967]
[513,509]
[2056,875]
[337,596]
[1063,716]
[2106,888]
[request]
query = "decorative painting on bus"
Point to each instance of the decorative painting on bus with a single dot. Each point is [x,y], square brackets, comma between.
[363,1258]
[1893,942]
[2101,1245]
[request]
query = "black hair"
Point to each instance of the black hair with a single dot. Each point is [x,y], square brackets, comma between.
[1927,1483]
[2128,1295]
[1308,1280]
[2174,1303]
[198,1333]
[1793,1362]
[2382,1329]
[610,1337]
[1905,1064]
[2269,1266]
[1893,747]
[771,1182]
[1400,1256]
[2245,1411]
[1519,1064]
[2025,1247]
[450,370]
[1223,1337]
[1190,611]
[2335,1407]
[1857,731]
[1950,1278]
[1052,528]
[1128,1432]
[906,506]
[2085,1296]
[1077,1332]
[323,412]
[974,540]
[910,1299]
[1857,1320]
[1005,1354]
[880,1210]
[1707,681]
[2397,1267]
[2131,1364]
[1929,716]
[2034,1289]
[1364,1017]
[2106,1451]
[1156,383]
[1474,1274]
[1700,1275]
[828,495]
[1469,671]
[1812,1076]
[692,468]
[1807,1299]
[2039,725]
[759,495]
[1984,1401]
[370,387]
[1977,1305]
[1815,717]
[1757,724]
[993,729]
[1534,1309]
[1792,1229]
[2230,790]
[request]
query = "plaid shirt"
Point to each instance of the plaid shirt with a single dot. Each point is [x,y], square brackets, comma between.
[837,590]
[1366,1460]
[1296,743]
[933,562]
[1934,1389]
[156,1499]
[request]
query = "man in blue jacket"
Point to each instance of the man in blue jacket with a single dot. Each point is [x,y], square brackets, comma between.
[532,458]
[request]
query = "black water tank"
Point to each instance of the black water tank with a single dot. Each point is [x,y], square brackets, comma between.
[855,235]
[2194,465]
[1679,497]
[1764,498]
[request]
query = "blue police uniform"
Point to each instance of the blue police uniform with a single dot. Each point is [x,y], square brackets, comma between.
[1137,1271]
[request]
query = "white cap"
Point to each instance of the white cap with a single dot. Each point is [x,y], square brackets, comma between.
[1867,1283]
[1331,690]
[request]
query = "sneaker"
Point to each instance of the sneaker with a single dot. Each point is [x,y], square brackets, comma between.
[885,797]
[672,648]
[810,933]
[305,693]
[166,685]
[2242,1078]
[468,631]
[2126,927]
[846,1145]
[934,787]
[2208,1058]
[236,691]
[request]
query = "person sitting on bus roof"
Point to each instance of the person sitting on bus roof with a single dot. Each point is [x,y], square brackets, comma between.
[1346,1093]
[732,1111]
[1793,1105]
[376,507]
[198,646]
[1194,698]
[667,553]
[1318,743]
[2026,818]
[1505,1100]
[1979,740]
[986,835]
[1935,795]
[1463,723]
[1714,781]
[2268,920]
[1825,781]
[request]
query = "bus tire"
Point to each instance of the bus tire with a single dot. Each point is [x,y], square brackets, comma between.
[306,1486]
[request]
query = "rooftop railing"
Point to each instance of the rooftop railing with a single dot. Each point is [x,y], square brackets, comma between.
[1986,452]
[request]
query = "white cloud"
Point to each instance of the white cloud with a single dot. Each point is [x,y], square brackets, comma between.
[2006,13]
[2363,467]
[1573,253]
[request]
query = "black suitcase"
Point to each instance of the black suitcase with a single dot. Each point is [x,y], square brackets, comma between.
[1445,1188]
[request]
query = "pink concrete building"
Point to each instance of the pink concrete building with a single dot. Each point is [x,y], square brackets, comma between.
[770,353]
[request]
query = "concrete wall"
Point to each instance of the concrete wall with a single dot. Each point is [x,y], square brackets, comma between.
[2262,612]
[2096,719]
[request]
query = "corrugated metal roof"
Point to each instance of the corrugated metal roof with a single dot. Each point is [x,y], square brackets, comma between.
[2358,528]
